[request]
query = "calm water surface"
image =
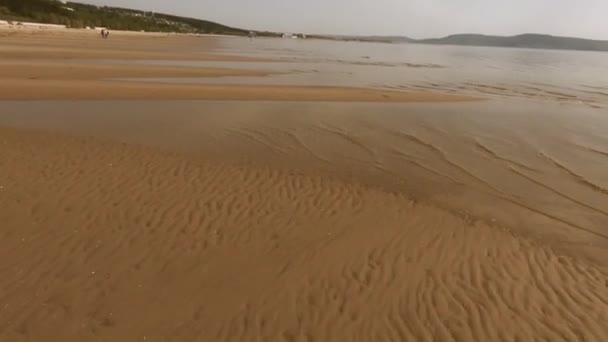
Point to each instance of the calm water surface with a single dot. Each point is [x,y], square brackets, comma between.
[567,76]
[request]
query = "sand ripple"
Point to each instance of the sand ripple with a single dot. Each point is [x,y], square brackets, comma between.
[113,242]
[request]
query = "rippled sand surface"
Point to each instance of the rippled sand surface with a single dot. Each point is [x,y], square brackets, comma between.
[126,243]
[304,221]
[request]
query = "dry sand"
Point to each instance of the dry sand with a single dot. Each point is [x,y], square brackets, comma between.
[102,241]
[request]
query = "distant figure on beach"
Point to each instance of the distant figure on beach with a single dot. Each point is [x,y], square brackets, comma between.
[105,33]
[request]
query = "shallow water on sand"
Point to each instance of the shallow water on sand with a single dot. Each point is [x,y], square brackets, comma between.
[538,168]
[567,76]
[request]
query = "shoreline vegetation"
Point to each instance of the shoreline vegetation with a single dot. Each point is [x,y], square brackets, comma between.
[78,15]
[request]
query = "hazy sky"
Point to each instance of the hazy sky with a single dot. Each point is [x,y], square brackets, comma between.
[414,18]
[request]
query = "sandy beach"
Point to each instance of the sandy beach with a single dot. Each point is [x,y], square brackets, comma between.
[43,65]
[147,211]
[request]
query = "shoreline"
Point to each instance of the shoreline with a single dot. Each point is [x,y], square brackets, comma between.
[49,66]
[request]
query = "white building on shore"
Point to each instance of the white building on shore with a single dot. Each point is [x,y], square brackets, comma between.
[28,25]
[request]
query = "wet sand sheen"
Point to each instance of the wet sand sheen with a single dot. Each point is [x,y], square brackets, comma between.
[115,90]
[12,70]
[501,166]
[126,243]
[53,66]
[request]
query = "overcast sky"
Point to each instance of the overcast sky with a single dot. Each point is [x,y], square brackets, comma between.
[414,18]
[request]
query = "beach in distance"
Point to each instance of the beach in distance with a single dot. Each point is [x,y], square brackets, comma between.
[165,187]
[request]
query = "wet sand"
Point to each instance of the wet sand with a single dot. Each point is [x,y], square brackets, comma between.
[14,70]
[301,221]
[118,242]
[49,66]
[107,90]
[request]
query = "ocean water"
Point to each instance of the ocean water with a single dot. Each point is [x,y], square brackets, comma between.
[566,76]
[527,73]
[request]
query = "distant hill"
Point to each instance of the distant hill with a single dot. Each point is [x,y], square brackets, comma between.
[379,39]
[535,41]
[77,15]
[389,39]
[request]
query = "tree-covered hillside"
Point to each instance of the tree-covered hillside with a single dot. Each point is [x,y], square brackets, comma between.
[77,15]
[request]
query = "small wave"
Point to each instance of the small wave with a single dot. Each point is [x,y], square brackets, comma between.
[257,137]
[557,192]
[594,87]
[485,86]
[593,150]
[489,153]
[443,157]
[344,135]
[579,178]
[595,93]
